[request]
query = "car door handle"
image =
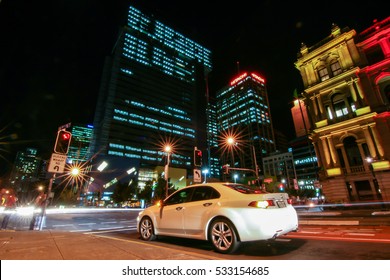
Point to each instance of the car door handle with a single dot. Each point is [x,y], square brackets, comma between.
[179,208]
[207,204]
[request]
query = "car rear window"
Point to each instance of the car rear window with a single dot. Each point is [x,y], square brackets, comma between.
[245,188]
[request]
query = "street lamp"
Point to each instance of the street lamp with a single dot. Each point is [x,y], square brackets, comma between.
[231,141]
[376,184]
[205,172]
[75,171]
[168,150]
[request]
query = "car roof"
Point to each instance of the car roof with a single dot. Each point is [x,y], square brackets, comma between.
[229,186]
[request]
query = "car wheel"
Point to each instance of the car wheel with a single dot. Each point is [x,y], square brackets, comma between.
[146,229]
[223,236]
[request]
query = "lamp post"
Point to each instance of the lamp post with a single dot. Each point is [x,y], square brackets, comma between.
[231,141]
[205,172]
[75,172]
[167,149]
[375,181]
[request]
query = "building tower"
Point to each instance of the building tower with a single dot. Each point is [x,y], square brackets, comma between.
[79,147]
[304,155]
[243,112]
[346,80]
[152,92]
[28,170]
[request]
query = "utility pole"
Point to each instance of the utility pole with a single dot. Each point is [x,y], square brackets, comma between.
[57,164]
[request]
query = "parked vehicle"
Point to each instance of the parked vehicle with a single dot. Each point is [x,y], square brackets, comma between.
[225,214]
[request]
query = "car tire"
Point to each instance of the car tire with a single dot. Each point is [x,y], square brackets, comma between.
[223,236]
[146,229]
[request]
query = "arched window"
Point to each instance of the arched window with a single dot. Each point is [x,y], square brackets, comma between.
[352,151]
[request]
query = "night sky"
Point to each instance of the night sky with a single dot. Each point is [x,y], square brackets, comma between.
[52,54]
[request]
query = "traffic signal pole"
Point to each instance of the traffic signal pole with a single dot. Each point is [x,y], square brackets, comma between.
[45,204]
[61,147]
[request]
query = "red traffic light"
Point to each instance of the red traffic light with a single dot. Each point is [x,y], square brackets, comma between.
[62,142]
[225,169]
[66,136]
[197,157]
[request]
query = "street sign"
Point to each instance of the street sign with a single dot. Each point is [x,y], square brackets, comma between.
[57,163]
[197,176]
[65,126]
[268,180]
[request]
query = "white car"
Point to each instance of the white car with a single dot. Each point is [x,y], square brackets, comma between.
[225,214]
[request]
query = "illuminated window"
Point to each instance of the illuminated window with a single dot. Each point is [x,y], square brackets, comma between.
[336,68]
[323,73]
[339,106]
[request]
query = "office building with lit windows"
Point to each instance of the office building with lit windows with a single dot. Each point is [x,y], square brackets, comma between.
[79,146]
[281,167]
[212,167]
[28,170]
[305,159]
[243,112]
[152,92]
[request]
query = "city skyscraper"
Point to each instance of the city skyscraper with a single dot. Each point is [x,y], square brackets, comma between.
[27,171]
[81,138]
[152,92]
[305,159]
[243,112]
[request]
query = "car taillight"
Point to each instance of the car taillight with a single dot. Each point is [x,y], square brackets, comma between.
[289,201]
[262,203]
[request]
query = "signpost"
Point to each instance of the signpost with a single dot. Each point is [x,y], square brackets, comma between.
[57,163]
[197,176]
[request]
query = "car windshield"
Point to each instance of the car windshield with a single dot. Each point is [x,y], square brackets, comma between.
[245,188]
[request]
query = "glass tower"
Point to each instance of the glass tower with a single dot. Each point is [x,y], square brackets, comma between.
[243,112]
[152,93]
[81,138]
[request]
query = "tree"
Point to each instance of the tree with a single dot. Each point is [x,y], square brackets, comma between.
[147,192]
[124,192]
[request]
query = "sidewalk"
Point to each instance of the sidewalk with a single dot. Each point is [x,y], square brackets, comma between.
[55,245]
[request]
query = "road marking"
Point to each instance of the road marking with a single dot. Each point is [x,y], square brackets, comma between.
[112,228]
[149,244]
[105,230]
[362,234]
[65,225]
[80,230]
[329,222]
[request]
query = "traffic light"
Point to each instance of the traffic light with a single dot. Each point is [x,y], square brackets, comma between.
[62,142]
[197,157]
[225,169]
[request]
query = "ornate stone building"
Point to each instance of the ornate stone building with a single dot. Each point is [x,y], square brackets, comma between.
[346,80]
